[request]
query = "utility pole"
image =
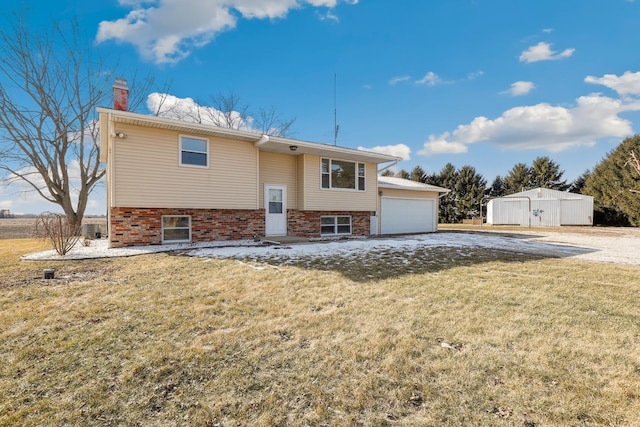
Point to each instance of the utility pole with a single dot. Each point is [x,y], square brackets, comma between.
[336,126]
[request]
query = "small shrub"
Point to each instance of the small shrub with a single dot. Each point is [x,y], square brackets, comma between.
[56,228]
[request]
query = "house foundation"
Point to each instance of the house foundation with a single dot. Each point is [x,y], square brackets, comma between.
[143,226]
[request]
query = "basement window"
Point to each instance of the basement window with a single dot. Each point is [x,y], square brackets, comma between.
[335,225]
[176,229]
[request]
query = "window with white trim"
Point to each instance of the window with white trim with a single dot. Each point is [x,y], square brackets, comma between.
[335,225]
[342,174]
[194,151]
[176,229]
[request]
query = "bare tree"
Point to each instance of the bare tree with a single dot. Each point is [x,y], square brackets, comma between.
[50,85]
[224,110]
[229,111]
[270,122]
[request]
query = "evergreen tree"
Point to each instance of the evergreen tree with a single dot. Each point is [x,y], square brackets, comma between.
[403,174]
[470,187]
[498,187]
[387,173]
[467,188]
[518,179]
[546,173]
[578,184]
[448,204]
[418,174]
[615,185]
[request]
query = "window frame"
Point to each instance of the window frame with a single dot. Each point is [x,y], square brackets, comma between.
[359,179]
[182,150]
[163,228]
[336,225]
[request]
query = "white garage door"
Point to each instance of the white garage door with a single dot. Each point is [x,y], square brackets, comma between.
[407,215]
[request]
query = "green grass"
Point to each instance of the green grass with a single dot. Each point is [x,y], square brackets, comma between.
[491,338]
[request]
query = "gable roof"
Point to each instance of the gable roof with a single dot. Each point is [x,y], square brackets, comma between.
[266,143]
[406,184]
[547,194]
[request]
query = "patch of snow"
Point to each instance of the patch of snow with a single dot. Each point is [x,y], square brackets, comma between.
[100,249]
[601,248]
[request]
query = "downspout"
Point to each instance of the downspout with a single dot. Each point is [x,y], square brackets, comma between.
[263,140]
[110,148]
[444,193]
[379,198]
[395,162]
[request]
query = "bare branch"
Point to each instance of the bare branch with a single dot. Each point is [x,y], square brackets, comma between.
[634,162]
[270,122]
[50,85]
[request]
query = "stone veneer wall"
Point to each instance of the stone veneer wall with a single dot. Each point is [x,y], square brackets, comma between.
[143,226]
[307,223]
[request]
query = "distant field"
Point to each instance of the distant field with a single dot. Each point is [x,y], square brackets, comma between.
[22,228]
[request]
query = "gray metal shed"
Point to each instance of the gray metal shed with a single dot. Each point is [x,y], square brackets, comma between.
[541,207]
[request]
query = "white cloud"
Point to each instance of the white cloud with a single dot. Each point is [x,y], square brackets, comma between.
[188,110]
[166,31]
[328,16]
[398,79]
[475,74]
[627,84]
[541,126]
[520,88]
[542,52]
[430,79]
[398,150]
[440,145]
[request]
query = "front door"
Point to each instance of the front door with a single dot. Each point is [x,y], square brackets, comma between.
[275,205]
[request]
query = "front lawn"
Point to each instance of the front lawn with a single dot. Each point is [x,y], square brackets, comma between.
[437,337]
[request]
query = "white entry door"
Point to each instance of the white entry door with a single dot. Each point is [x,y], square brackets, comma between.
[275,205]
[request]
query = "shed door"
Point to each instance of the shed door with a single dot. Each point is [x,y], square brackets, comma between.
[399,215]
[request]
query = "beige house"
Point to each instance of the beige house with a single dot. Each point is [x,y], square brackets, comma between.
[170,181]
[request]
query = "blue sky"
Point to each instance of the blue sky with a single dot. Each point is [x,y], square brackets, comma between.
[486,83]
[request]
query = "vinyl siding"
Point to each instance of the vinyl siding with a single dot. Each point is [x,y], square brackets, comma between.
[149,159]
[316,198]
[279,169]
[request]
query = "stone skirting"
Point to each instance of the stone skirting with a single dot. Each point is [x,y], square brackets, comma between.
[307,223]
[143,226]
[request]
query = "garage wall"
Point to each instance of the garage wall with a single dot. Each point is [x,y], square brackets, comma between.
[406,211]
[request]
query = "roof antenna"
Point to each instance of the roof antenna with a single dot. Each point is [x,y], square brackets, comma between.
[336,126]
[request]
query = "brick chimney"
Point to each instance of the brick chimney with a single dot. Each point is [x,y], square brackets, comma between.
[120,95]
